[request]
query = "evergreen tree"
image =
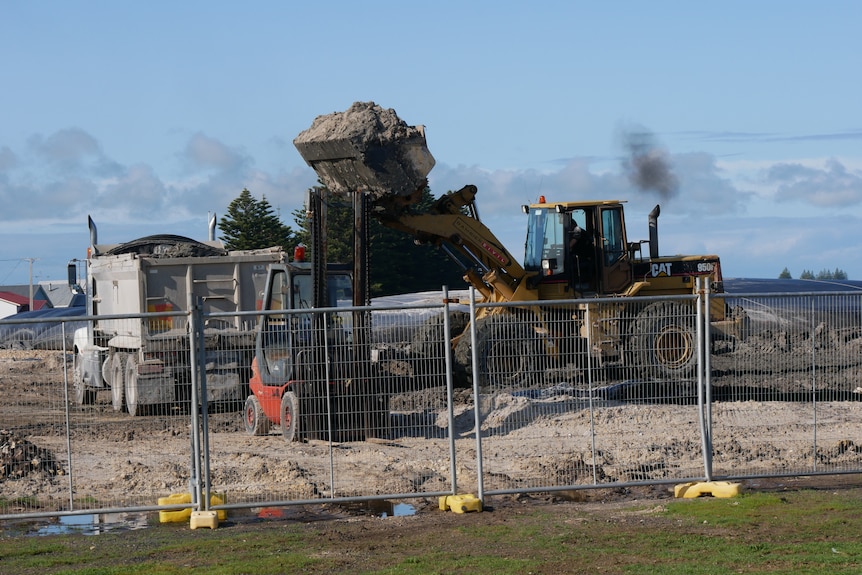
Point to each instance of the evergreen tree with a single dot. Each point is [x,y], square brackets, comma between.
[397,264]
[785,274]
[839,274]
[824,274]
[252,224]
[806,275]
[339,223]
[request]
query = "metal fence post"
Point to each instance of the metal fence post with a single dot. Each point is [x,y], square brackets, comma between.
[194,337]
[703,406]
[204,401]
[589,329]
[814,383]
[477,409]
[450,408]
[68,420]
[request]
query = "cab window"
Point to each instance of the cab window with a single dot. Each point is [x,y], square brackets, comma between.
[613,235]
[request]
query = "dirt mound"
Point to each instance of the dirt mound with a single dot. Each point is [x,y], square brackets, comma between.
[19,457]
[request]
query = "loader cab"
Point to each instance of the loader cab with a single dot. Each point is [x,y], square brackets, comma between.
[577,247]
[284,340]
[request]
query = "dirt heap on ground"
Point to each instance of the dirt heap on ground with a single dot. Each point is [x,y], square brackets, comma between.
[366,148]
[19,457]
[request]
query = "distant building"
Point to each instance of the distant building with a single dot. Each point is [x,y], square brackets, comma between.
[57,292]
[15,299]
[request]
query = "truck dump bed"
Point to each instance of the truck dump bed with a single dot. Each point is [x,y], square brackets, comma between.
[368,149]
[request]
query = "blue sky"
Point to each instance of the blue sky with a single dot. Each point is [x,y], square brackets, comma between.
[149,116]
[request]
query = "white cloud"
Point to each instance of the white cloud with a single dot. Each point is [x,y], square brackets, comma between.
[8,159]
[205,152]
[712,212]
[833,185]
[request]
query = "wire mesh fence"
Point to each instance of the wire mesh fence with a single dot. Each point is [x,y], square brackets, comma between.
[786,399]
[258,409]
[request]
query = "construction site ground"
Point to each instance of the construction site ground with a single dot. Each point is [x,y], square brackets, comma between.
[409,462]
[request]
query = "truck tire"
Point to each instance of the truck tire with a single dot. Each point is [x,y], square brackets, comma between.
[510,353]
[117,377]
[83,394]
[255,420]
[664,340]
[131,386]
[289,416]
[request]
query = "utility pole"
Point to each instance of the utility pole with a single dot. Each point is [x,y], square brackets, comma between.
[31,260]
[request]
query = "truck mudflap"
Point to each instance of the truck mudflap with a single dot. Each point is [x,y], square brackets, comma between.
[88,369]
[153,390]
[224,387]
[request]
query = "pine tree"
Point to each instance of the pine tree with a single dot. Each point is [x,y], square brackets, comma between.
[806,275]
[252,224]
[785,274]
[397,264]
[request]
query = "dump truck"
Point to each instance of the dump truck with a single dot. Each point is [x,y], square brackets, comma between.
[144,360]
[575,250]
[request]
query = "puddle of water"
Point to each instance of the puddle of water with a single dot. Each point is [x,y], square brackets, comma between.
[95,524]
[383,508]
[91,524]
[377,508]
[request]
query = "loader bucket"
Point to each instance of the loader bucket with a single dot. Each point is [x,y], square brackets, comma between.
[368,149]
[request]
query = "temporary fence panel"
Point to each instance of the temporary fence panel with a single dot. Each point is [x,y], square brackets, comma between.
[70,449]
[344,403]
[787,398]
[570,399]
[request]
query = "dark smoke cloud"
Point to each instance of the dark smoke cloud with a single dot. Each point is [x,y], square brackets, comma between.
[648,164]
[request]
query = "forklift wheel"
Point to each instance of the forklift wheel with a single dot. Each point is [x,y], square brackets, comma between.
[289,416]
[254,418]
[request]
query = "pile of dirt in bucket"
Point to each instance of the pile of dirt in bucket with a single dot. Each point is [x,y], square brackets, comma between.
[366,149]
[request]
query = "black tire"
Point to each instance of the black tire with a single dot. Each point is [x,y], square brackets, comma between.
[427,351]
[83,394]
[510,353]
[289,416]
[256,422]
[428,341]
[664,341]
[118,375]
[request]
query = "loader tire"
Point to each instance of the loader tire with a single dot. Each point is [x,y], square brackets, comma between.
[509,352]
[664,341]
[289,416]
[118,390]
[427,351]
[428,341]
[255,420]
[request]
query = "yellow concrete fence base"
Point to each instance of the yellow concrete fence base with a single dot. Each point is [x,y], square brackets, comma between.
[180,515]
[714,488]
[460,503]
